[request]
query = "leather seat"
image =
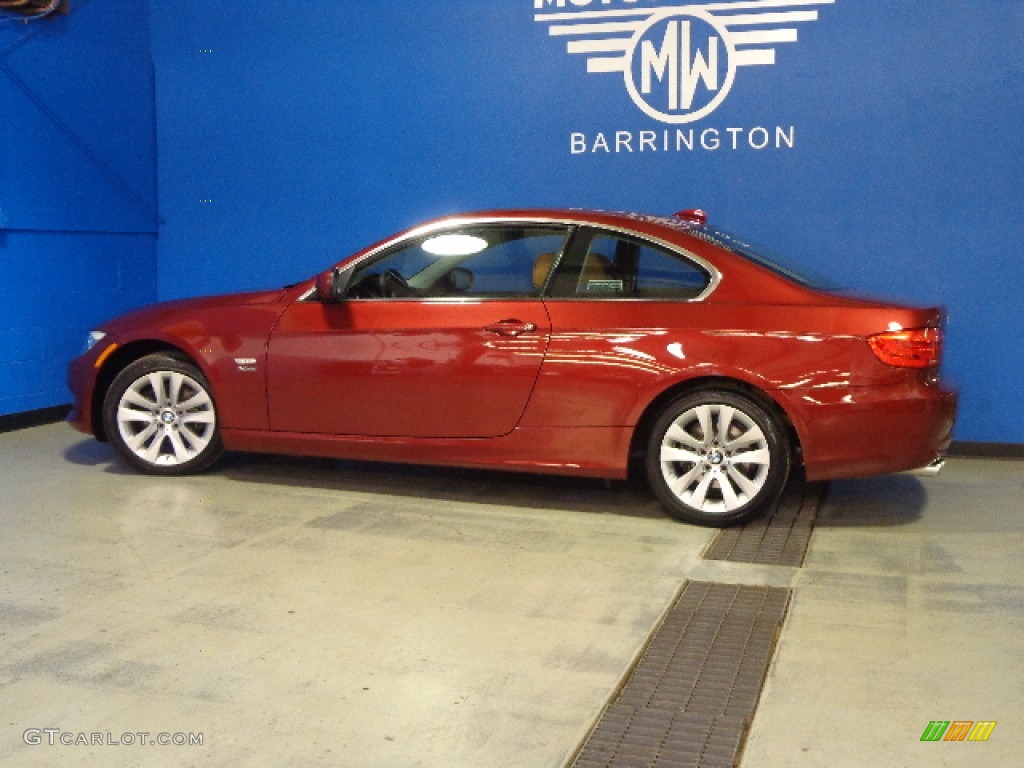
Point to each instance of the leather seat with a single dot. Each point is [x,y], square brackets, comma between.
[541,268]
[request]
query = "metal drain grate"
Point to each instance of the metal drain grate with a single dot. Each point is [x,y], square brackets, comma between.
[691,696]
[778,538]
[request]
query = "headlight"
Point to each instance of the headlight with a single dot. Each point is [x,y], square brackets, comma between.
[94,338]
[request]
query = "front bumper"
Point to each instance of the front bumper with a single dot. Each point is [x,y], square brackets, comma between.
[83,374]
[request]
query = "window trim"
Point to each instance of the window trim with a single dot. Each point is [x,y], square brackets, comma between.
[589,232]
[408,239]
[572,228]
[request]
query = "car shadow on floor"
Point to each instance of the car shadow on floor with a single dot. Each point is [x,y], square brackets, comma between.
[884,501]
[93,453]
[873,502]
[446,484]
[889,500]
[631,498]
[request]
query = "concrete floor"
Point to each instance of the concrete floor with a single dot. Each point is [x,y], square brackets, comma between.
[316,613]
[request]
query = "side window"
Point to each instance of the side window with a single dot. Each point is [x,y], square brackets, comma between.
[614,266]
[661,274]
[481,262]
[599,273]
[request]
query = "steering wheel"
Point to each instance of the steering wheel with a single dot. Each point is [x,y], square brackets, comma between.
[393,285]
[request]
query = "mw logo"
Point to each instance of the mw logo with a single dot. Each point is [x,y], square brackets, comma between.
[681,67]
[678,62]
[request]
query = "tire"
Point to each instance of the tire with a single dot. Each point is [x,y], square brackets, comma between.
[717,458]
[160,416]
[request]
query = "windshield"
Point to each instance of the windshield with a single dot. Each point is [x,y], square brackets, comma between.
[759,255]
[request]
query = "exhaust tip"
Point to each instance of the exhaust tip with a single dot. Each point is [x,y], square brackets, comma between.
[930,470]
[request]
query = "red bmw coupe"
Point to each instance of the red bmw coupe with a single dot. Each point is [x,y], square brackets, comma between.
[554,341]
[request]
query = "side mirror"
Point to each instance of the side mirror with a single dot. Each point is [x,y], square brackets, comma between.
[332,285]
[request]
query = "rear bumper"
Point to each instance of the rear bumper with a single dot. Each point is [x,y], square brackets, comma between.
[859,432]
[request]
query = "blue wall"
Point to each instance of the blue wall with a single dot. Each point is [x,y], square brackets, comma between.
[297,132]
[292,133]
[77,188]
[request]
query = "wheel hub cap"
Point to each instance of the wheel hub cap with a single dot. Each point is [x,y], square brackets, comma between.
[715,458]
[166,418]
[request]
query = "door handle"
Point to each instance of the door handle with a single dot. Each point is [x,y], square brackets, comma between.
[510,327]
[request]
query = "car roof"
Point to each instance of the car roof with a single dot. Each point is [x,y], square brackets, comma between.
[624,219]
[675,229]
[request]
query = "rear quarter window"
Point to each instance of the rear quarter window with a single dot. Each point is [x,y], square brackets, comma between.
[625,267]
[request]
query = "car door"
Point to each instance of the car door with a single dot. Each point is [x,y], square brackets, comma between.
[625,315]
[439,337]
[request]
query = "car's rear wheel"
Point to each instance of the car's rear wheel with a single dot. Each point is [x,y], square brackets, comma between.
[716,457]
[160,416]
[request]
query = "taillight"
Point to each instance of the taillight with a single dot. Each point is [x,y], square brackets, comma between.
[910,348]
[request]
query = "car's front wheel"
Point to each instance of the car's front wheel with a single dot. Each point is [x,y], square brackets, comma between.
[160,416]
[716,457]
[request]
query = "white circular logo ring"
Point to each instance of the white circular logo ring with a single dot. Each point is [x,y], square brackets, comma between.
[672,58]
